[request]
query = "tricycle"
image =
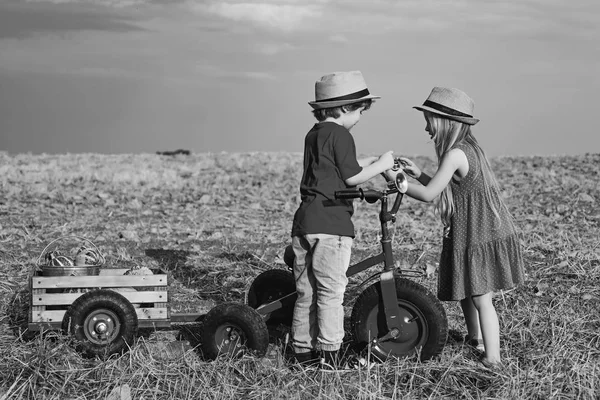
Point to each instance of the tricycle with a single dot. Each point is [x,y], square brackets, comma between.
[393,315]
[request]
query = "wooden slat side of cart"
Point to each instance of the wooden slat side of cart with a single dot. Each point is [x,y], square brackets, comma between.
[51,296]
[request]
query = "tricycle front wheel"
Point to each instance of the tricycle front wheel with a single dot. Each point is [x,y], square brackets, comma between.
[424,324]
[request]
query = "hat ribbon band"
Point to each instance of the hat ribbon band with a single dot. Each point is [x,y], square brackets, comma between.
[444,109]
[351,96]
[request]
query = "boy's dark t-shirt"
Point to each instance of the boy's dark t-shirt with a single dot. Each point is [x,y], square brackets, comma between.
[329,159]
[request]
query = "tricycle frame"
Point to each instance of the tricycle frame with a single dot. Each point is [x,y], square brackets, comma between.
[386,256]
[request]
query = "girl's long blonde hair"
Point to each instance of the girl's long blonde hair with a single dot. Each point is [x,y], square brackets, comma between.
[447,134]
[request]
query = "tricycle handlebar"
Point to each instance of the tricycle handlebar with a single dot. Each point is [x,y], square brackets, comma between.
[369,195]
[349,194]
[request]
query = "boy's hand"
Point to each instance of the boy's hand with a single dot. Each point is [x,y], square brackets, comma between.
[390,174]
[386,160]
[410,168]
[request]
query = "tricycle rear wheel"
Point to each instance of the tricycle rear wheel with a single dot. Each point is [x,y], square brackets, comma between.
[424,324]
[271,285]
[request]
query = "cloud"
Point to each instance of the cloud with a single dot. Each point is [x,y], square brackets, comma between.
[220,73]
[111,72]
[284,17]
[337,38]
[107,3]
[258,75]
[271,49]
[19,20]
[529,18]
[522,18]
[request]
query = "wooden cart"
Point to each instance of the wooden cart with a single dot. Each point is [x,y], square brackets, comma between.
[103,313]
[103,308]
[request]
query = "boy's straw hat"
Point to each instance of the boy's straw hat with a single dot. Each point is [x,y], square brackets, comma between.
[450,103]
[339,89]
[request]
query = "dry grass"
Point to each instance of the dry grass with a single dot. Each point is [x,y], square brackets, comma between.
[215,221]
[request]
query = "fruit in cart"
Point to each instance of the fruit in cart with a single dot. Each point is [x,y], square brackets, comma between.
[87,256]
[55,259]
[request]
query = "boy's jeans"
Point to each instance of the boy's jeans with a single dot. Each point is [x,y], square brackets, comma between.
[320,271]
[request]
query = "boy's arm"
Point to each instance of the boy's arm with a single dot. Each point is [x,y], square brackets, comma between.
[386,161]
[363,162]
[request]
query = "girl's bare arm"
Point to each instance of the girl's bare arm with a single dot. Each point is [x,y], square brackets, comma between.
[432,187]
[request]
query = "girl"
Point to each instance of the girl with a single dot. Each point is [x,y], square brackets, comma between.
[480,252]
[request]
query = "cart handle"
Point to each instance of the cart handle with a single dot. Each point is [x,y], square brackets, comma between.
[103,260]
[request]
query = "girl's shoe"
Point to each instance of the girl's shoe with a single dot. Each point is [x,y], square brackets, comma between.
[495,366]
[475,343]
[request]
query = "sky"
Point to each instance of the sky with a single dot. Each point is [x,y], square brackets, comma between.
[140,76]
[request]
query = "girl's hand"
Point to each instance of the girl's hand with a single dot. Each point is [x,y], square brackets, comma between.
[409,167]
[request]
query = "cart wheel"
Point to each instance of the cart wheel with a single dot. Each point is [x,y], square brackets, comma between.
[424,327]
[231,329]
[102,322]
[272,285]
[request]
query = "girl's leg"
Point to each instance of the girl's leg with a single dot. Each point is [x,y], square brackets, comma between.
[471,318]
[490,327]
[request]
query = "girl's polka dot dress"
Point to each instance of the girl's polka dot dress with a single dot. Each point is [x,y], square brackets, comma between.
[482,253]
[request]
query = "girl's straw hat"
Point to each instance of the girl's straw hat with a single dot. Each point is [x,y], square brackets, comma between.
[339,89]
[450,103]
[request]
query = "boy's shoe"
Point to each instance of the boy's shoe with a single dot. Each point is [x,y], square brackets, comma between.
[475,343]
[308,360]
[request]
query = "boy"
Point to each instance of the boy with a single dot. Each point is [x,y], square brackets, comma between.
[322,230]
